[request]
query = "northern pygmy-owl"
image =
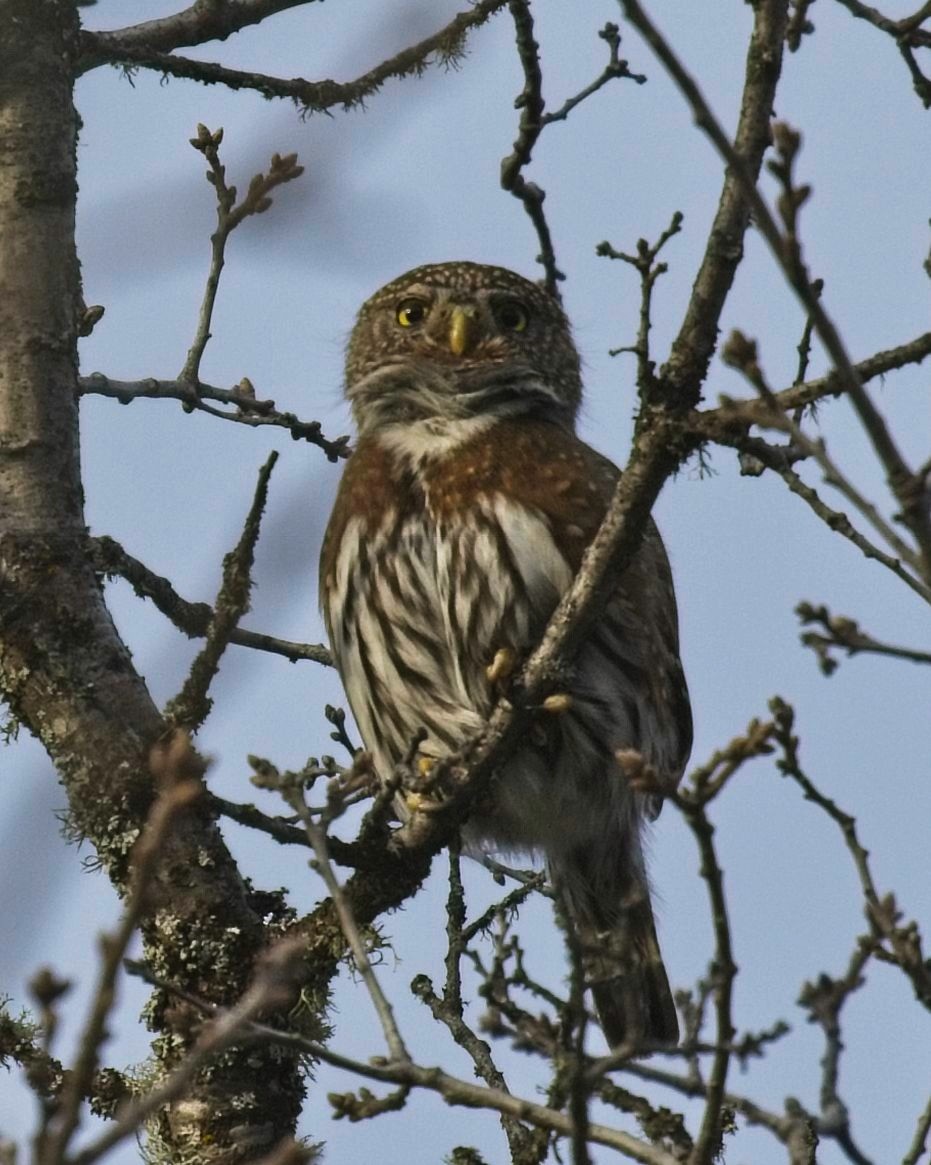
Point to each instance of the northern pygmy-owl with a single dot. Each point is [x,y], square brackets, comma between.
[460,521]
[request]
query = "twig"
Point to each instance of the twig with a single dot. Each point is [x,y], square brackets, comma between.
[649,270]
[276,827]
[910,489]
[882,912]
[799,24]
[786,248]
[694,345]
[248,410]
[110,559]
[534,885]
[230,214]
[740,352]
[804,344]
[192,705]
[616,67]
[713,423]
[294,794]
[782,1126]
[824,1000]
[449,1010]
[724,970]
[907,34]
[917,1147]
[708,780]
[529,128]
[846,635]
[834,519]
[463,1092]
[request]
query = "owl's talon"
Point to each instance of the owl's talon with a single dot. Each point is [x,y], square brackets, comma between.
[425,765]
[558,703]
[502,666]
[421,803]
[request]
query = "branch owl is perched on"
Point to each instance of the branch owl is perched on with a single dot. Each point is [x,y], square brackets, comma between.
[461,520]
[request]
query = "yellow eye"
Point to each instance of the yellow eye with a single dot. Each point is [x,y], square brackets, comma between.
[411,312]
[512,316]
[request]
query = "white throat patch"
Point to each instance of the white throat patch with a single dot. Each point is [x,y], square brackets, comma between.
[419,442]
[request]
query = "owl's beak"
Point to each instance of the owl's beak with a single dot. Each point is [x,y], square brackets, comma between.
[461,331]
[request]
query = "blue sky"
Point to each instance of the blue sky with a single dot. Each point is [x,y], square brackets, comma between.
[413,179]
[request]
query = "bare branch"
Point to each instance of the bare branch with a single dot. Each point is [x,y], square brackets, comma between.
[192,705]
[907,34]
[799,24]
[533,120]
[530,125]
[197,24]
[904,941]
[824,1000]
[917,1147]
[834,519]
[316,834]
[809,392]
[845,634]
[449,1009]
[110,559]
[249,411]
[616,67]
[724,970]
[44,1074]
[649,270]
[445,46]
[741,352]
[229,216]
[463,1092]
[694,345]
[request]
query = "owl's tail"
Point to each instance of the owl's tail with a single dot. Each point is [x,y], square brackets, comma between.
[620,953]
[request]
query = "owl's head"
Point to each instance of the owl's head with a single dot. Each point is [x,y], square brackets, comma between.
[454,340]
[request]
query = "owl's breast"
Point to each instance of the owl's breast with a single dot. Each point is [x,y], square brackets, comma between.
[424,577]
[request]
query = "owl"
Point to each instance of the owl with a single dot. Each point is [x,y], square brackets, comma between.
[460,521]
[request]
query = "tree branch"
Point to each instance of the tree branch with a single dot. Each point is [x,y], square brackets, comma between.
[110,559]
[846,635]
[446,46]
[249,411]
[694,345]
[201,22]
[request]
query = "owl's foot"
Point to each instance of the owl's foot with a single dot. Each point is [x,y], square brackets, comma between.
[420,803]
[502,667]
[557,704]
[641,775]
[420,800]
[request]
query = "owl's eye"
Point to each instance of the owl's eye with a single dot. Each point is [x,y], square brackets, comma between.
[411,312]
[512,316]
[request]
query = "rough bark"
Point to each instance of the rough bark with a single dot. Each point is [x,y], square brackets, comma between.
[63,670]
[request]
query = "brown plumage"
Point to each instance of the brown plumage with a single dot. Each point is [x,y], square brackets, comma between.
[460,521]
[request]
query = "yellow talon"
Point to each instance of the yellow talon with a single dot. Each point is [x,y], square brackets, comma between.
[501,666]
[558,703]
[425,765]
[421,803]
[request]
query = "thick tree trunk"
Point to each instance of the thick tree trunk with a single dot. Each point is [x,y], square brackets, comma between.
[63,670]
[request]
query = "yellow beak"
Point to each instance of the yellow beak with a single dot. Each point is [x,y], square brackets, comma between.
[460,331]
